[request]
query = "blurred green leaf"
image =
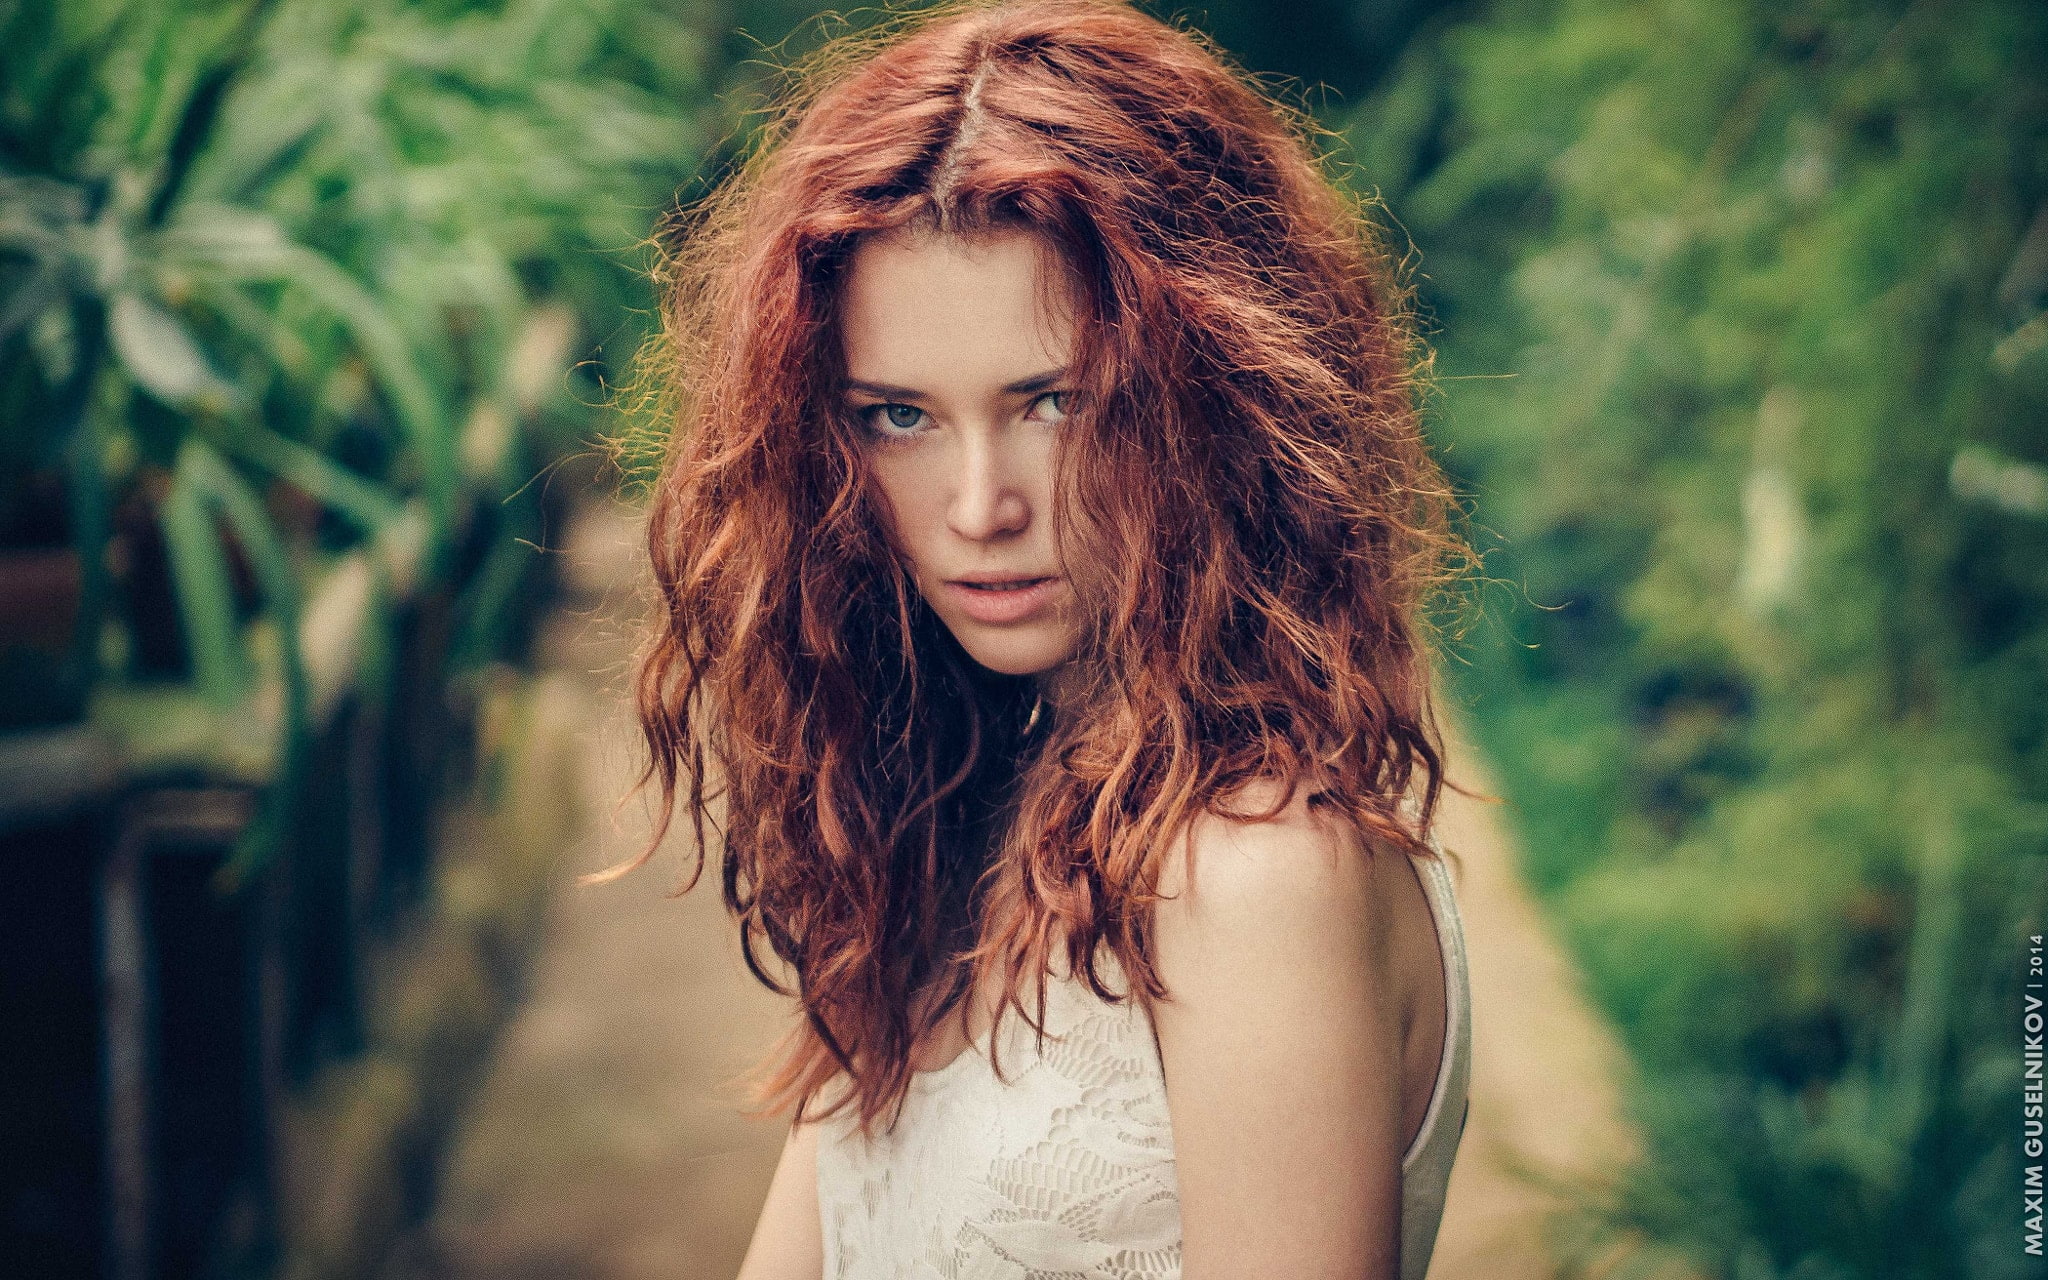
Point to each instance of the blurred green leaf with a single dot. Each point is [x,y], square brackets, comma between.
[199,566]
[277,577]
[368,506]
[160,353]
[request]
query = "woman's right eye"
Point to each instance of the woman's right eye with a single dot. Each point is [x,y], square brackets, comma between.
[891,419]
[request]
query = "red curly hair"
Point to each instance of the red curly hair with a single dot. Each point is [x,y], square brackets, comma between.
[1244,446]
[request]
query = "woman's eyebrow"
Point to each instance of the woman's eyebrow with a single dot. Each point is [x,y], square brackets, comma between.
[1021,387]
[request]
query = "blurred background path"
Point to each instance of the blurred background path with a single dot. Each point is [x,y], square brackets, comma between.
[606,1141]
[1544,1065]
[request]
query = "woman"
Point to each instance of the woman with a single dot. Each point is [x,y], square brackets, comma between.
[1043,555]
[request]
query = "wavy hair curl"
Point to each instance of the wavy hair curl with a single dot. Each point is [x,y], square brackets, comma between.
[1243,468]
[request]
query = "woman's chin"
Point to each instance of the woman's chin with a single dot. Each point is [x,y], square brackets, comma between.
[1014,654]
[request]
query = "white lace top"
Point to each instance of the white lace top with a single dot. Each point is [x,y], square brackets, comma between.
[1067,1171]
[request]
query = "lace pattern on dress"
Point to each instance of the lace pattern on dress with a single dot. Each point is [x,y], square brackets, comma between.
[1068,1170]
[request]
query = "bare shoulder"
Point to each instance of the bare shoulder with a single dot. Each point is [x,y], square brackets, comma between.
[1280,1039]
[1296,866]
[788,1241]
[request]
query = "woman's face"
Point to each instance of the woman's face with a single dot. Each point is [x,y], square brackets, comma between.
[955,378]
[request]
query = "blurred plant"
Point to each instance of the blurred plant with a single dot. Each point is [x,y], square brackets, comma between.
[1770,282]
[315,243]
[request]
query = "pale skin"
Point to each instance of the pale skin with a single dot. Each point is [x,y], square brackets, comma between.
[1303,968]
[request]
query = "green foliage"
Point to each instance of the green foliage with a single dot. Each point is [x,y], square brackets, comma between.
[1768,287]
[346,250]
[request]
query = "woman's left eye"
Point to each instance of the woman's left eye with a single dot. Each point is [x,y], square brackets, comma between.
[1058,400]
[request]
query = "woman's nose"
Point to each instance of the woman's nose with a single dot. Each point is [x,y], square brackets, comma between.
[987,499]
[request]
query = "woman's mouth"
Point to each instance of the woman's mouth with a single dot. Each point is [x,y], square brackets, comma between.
[1000,603]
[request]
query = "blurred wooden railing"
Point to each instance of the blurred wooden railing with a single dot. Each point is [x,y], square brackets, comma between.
[168,1004]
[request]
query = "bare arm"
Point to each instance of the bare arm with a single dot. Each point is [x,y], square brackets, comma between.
[1281,1041]
[788,1241]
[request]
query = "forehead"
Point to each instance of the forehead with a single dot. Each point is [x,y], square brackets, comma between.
[952,312]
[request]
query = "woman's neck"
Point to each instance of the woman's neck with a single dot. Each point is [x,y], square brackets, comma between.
[1059,686]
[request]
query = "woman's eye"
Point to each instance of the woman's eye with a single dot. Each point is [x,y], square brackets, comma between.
[1058,402]
[893,419]
[889,418]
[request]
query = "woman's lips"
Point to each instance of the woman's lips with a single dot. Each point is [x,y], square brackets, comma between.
[996,604]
